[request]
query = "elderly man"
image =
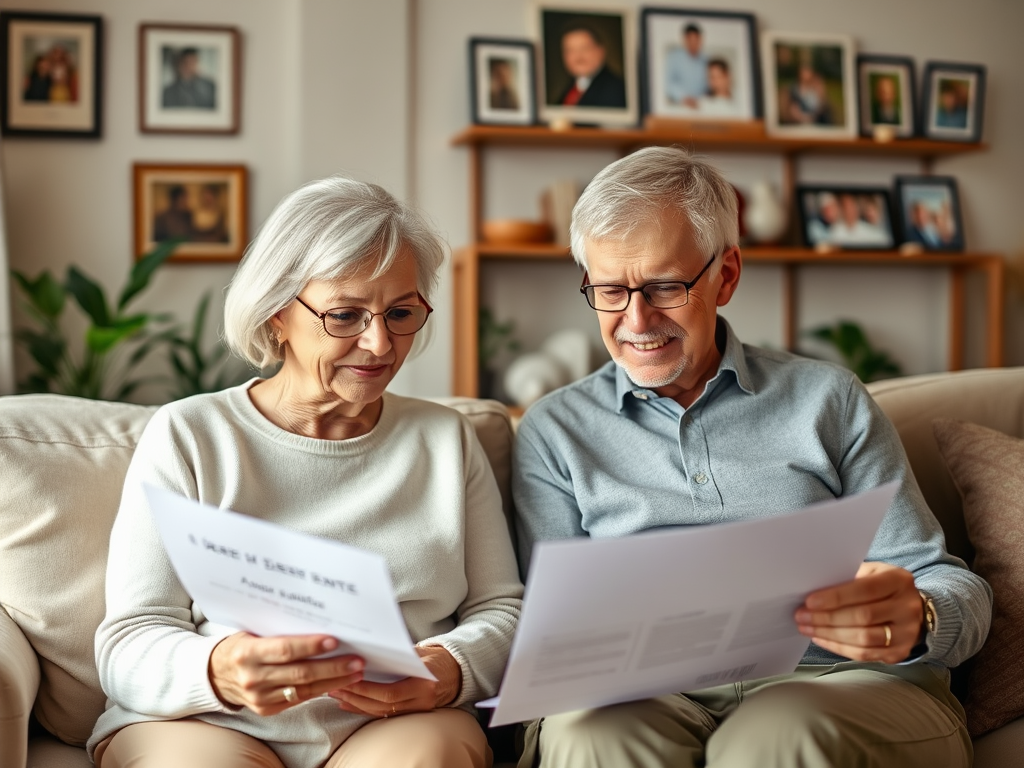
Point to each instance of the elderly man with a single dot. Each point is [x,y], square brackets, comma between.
[688,426]
[593,83]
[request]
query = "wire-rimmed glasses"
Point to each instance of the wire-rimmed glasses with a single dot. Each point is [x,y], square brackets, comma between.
[345,322]
[667,294]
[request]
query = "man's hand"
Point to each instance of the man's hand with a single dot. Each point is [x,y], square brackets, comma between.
[851,619]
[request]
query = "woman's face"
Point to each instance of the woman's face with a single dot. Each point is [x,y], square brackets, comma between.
[357,369]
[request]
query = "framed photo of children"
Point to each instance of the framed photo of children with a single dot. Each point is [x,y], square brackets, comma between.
[189,79]
[587,62]
[502,81]
[929,212]
[699,65]
[954,101]
[845,217]
[809,85]
[203,206]
[51,71]
[887,103]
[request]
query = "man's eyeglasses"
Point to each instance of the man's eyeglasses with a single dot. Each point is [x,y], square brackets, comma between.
[662,295]
[344,322]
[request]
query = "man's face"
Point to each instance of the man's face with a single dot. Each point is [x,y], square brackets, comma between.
[669,350]
[851,211]
[885,91]
[581,53]
[188,66]
[692,42]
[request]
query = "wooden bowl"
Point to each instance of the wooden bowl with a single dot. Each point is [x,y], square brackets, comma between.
[516,231]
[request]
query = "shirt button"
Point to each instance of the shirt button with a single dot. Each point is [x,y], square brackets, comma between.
[700,478]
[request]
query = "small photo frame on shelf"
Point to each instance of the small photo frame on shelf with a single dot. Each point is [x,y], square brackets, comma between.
[203,206]
[928,209]
[954,101]
[189,79]
[699,65]
[502,81]
[887,102]
[587,65]
[846,217]
[51,70]
[809,85]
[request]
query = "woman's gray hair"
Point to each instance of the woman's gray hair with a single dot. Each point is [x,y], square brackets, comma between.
[325,230]
[639,189]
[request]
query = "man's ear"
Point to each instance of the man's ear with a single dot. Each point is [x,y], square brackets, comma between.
[732,265]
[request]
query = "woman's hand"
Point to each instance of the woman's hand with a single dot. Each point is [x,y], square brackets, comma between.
[253,672]
[411,694]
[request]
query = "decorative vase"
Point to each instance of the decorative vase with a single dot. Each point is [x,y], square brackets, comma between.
[765,218]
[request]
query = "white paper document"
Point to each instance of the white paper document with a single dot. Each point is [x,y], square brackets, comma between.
[612,620]
[262,578]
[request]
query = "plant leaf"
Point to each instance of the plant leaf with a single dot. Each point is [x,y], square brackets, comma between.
[45,349]
[45,293]
[143,270]
[89,296]
[102,339]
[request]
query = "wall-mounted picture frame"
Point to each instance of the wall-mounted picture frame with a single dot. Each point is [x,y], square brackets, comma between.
[501,82]
[587,64]
[885,85]
[928,212]
[809,85]
[51,74]
[954,101]
[203,206]
[849,217]
[699,65]
[190,79]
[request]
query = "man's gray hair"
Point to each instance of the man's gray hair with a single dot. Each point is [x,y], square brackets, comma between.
[641,188]
[325,230]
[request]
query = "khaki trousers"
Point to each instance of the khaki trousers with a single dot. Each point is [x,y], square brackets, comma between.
[850,715]
[443,738]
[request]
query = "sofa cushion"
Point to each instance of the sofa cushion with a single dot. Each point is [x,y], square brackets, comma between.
[988,470]
[63,461]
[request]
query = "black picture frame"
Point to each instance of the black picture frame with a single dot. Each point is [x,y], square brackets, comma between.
[953,103]
[51,75]
[492,59]
[846,217]
[741,65]
[883,79]
[926,203]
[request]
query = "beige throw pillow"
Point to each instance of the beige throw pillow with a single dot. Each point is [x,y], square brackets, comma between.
[988,470]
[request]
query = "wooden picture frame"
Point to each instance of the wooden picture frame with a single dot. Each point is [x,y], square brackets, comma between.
[928,212]
[954,101]
[847,217]
[205,206]
[52,75]
[887,102]
[592,45]
[190,79]
[502,85]
[699,65]
[809,85]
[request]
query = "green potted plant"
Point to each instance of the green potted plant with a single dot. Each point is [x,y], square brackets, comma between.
[856,351]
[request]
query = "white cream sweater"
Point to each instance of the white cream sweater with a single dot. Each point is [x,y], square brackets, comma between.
[417,490]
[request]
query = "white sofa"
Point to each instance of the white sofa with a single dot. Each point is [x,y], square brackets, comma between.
[62,461]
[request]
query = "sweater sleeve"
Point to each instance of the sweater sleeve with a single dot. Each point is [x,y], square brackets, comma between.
[150,657]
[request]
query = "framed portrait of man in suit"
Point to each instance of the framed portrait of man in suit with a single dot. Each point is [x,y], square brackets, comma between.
[587,65]
[885,85]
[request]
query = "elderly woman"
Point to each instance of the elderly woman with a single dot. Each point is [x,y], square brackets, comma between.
[335,287]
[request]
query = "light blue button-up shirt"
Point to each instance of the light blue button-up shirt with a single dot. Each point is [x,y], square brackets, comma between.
[771,433]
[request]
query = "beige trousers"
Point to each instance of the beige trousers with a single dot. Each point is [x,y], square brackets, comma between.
[844,716]
[443,738]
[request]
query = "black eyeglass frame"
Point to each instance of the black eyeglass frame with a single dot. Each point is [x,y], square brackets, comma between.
[643,289]
[322,316]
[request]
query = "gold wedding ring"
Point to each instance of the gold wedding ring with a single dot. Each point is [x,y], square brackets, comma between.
[290,694]
[888,635]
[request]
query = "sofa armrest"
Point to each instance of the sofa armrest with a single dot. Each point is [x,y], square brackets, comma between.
[19,682]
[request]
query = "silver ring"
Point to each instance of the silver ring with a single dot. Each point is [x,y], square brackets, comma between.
[888,635]
[290,694]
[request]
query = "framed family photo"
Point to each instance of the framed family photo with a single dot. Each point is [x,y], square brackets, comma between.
[204,207]
[51,70]
[502,81]
[189,79]
[699,65]
[845,217]
[809,85]
[954,101]
[929,212]
[887,102]
[587,62]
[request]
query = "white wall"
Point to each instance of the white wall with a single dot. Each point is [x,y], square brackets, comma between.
[377,89]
